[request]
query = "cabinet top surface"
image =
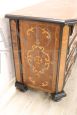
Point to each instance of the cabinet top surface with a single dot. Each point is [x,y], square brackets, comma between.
[54,10]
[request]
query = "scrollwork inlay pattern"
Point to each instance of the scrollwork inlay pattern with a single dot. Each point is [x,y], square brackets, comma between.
[38,59]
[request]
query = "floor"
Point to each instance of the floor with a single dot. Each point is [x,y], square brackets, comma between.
[32,102]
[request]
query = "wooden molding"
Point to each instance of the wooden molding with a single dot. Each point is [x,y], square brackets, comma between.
[63,57]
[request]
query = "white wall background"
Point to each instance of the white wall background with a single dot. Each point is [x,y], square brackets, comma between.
[6,61]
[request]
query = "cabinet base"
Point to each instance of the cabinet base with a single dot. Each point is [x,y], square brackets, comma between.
[55,96]
[21,86]
[58,96]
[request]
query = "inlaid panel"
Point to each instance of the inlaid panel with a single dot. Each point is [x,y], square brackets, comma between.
[39,50]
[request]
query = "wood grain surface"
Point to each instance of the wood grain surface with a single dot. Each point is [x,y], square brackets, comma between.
[39,50]
[63,57]
[16,50]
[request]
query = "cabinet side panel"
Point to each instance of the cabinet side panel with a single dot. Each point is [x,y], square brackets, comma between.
[56,58]
[13,29]
[39,53]
[65,37]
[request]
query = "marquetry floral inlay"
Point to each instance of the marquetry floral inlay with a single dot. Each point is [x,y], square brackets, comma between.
[31,80]
[44,31]
[38,59]
[44,84]
[30,30]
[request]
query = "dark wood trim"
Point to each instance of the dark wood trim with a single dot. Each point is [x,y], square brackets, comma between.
[21,86]
[69,22]
[34,18]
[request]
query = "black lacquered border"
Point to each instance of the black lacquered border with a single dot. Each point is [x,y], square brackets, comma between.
[60,21]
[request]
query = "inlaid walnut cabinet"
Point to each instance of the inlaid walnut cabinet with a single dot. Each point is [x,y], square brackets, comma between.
[43,51]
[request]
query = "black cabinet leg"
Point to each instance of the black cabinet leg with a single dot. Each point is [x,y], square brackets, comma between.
[58,96]
[21,86]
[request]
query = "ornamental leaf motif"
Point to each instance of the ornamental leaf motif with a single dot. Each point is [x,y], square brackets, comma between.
[38,59]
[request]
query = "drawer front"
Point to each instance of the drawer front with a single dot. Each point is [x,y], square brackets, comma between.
[39,51]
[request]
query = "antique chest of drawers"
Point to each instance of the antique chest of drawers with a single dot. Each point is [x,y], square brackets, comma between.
[44,48]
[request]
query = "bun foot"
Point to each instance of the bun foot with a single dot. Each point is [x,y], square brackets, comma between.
[21,86]
[58,96]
